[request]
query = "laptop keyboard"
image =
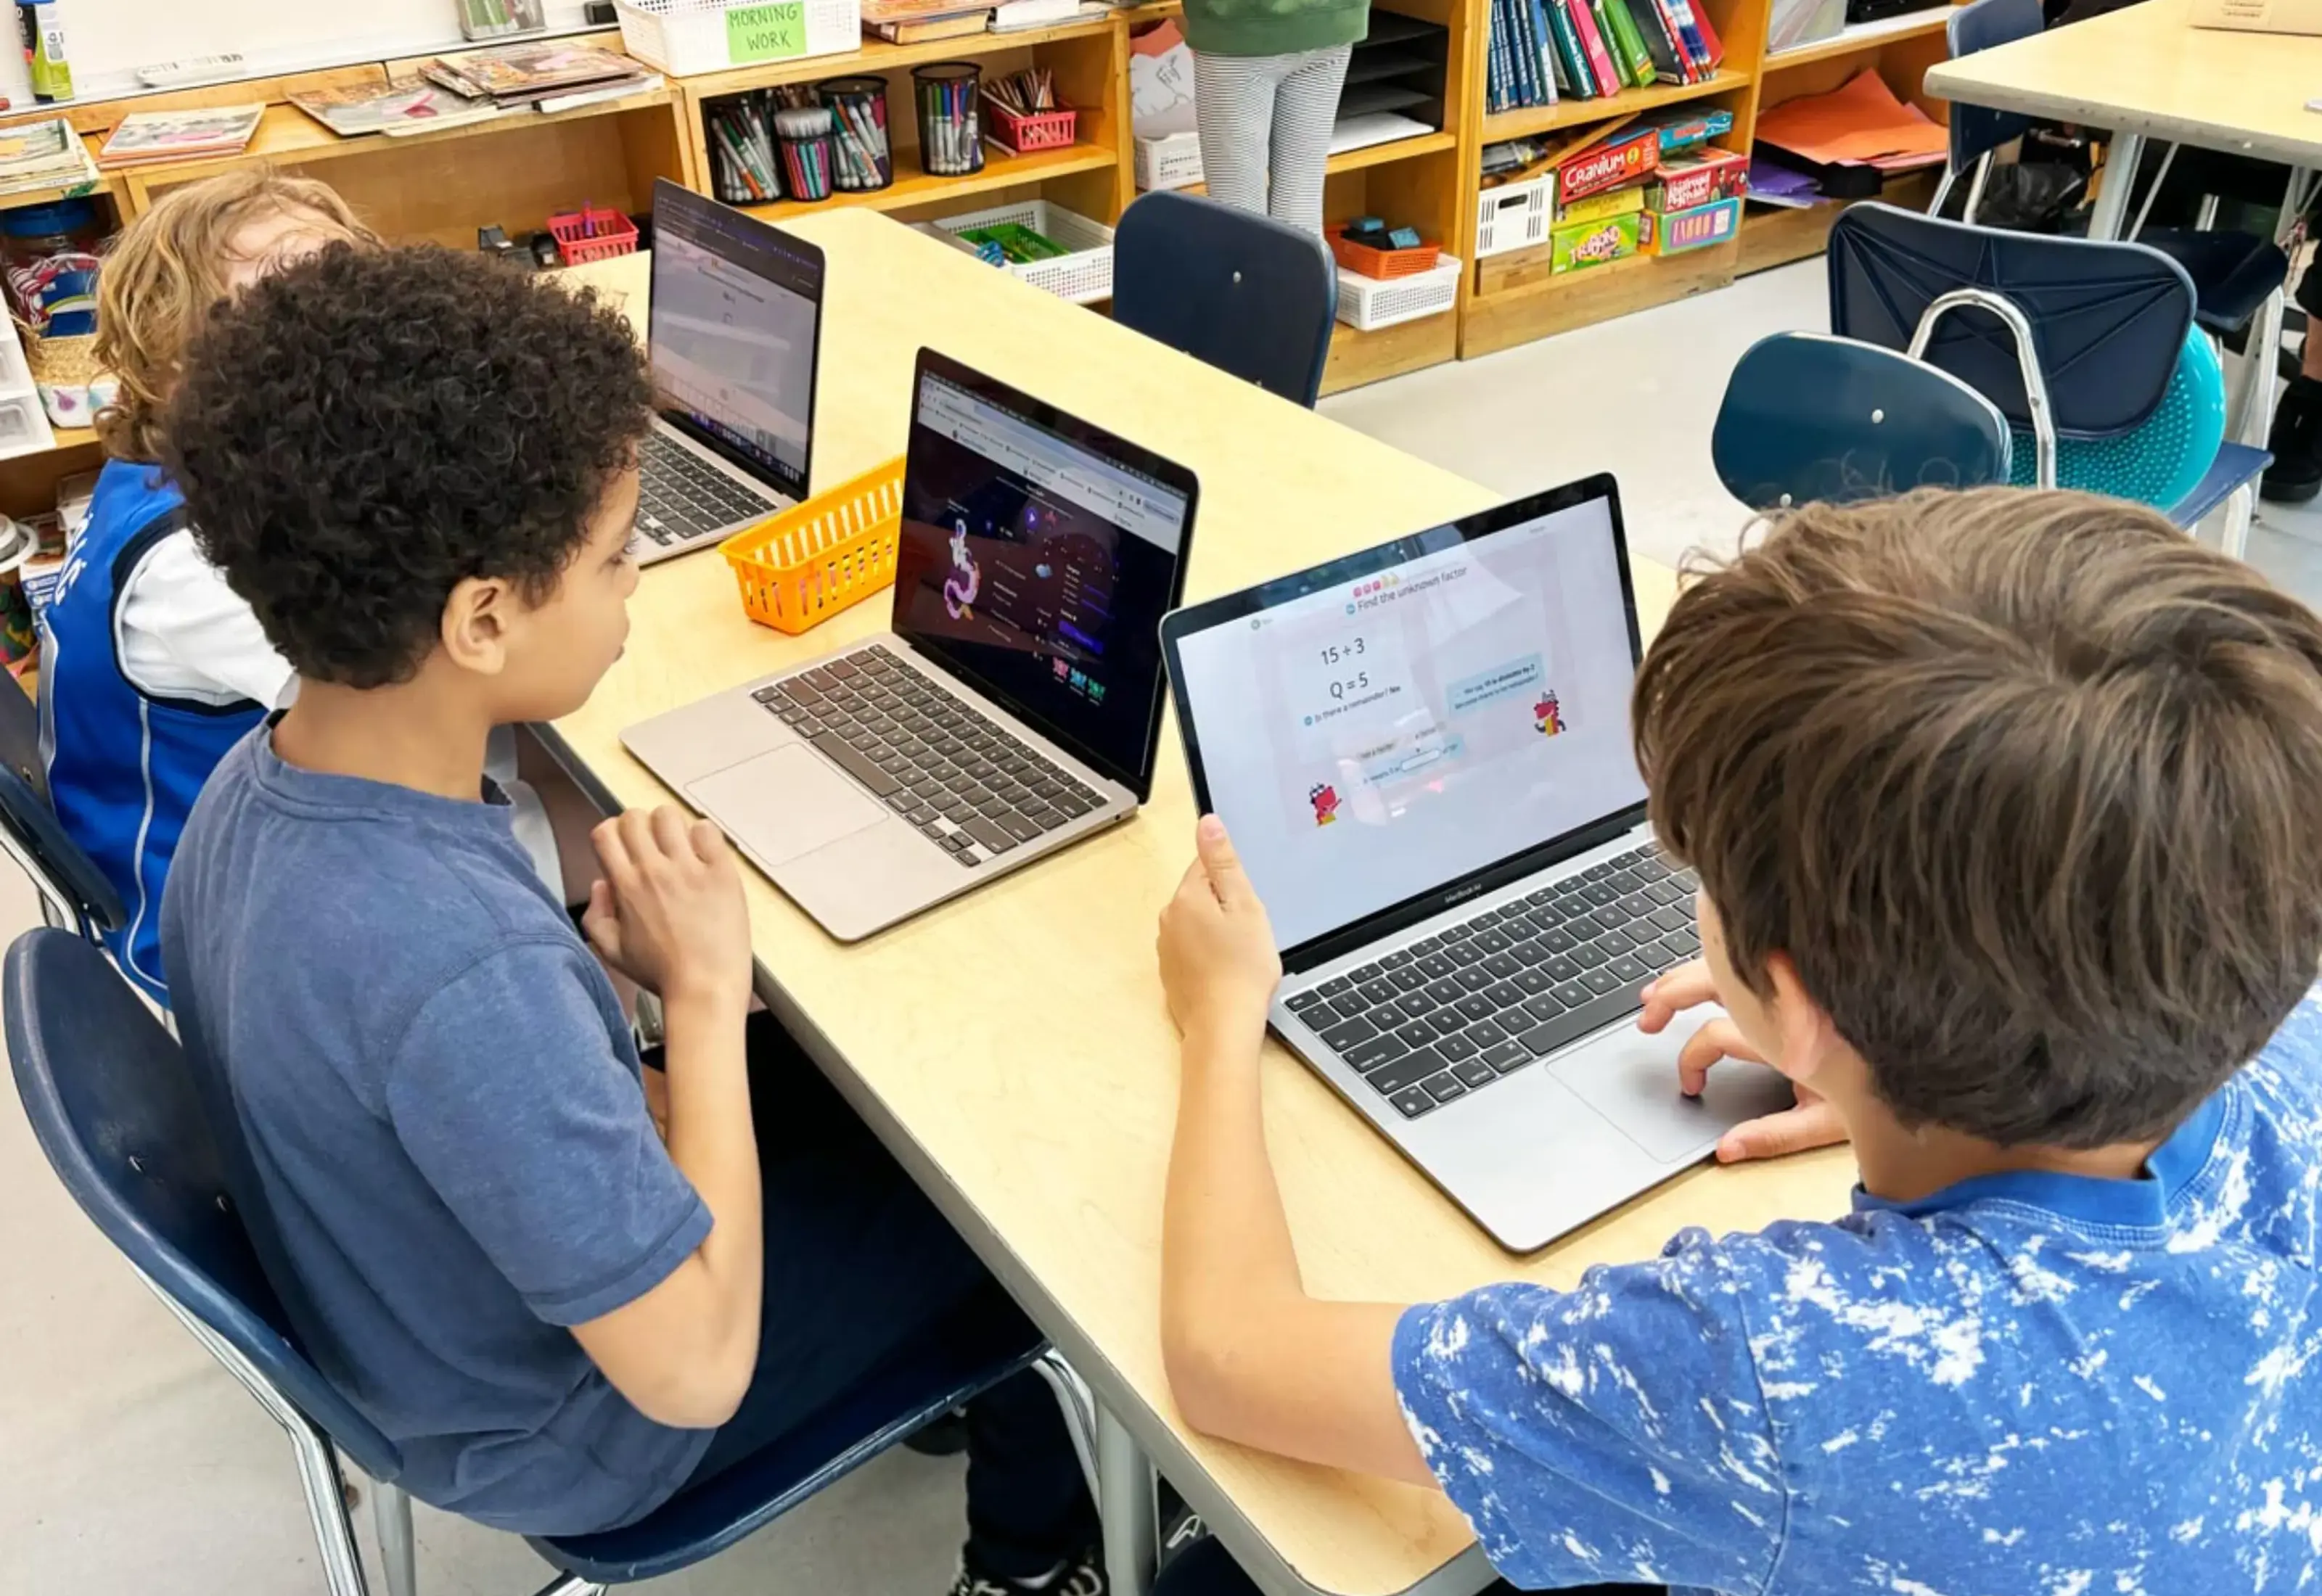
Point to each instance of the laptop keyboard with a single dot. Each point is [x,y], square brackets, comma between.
[973,789]
[683,496]
[1450,1014]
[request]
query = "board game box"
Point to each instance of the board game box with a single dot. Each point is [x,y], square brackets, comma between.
[1579,245]
[1702,178]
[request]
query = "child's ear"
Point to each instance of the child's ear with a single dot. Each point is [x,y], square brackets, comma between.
[1809,1040]
[476,624]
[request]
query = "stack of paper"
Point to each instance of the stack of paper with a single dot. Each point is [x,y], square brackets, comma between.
[391,108]
[553,77]
[1862,123]
[145,137]
[43,155]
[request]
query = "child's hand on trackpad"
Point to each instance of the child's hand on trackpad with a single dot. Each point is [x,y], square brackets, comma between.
[1813,1123]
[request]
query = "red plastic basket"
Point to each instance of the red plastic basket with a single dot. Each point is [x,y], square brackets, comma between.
[1043,130]
[1385,264]
[590,233]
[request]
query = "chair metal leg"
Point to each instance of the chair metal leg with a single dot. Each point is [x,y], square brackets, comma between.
[2168,159]
[2111,214]
[390,1512]
[572,1584]
[1126,1508]
[2249,418]
[1975,187]
[1942,191]
[1072,1393]
[2241,506]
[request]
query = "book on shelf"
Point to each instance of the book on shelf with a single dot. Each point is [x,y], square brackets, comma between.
[148,136]
[1601,70]
[620,88]
[1672,63]
[1636,62]
[521,74]
[1697,43]
[1011,14]
[1544,43]
[402,107]
[45,154]
[956,25]
[1570,50]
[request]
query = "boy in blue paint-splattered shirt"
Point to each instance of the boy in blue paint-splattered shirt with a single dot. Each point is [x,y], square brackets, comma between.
[2007,812]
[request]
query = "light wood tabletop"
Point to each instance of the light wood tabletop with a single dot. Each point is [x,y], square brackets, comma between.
[2147,72]
[1012,1047]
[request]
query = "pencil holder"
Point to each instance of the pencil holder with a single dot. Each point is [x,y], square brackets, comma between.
[862,158]
[1042,129]
[951,131]
[806,154]
[744,166]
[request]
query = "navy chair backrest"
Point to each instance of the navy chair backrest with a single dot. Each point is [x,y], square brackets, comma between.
[1809,417]
[1985,25]
[2108,320]
[57,862]
[1234,289]
[116,1107]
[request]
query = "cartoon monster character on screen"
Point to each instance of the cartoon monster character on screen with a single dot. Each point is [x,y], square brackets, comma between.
[1325,799]
[1548,715]
[960,587]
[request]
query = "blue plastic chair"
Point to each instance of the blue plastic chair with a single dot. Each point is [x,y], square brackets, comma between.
[119,1113]
[73,892]
[1233,289]
[1808,417]
[2076,341]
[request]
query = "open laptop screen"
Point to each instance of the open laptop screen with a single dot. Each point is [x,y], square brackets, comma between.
[1038,555]
[1382,728]
[732,335]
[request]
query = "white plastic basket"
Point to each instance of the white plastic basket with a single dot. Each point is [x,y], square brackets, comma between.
[1171,160]
[1368,303]
[1515,215]
[684,38]
[1083,276]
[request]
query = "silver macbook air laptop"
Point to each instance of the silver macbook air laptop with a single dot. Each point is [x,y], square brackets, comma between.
[1422,751]
[732,333]
[1013,707]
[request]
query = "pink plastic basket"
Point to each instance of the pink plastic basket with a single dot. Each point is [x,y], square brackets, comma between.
[592,234]
[1043,130]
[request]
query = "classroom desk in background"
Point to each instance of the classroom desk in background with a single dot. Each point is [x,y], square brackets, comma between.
[1011,1047]
[2145,72]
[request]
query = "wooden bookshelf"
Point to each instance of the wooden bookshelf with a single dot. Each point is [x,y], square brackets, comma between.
[1860,38]
[1628,102]
[913,186]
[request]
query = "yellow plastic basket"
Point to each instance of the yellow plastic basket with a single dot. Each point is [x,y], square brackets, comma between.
[801,568]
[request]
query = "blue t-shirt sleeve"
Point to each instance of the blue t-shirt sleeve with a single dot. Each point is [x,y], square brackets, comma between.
[1615,1432]
[510,1095]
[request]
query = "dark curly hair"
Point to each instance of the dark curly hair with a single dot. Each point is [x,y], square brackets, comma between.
[357,434]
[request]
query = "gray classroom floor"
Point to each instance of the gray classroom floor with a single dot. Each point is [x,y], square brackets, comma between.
[129,1463]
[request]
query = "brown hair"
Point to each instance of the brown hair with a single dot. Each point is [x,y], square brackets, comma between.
[2027,785]
[165,272]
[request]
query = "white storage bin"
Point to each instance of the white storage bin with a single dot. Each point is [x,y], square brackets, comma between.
[1083,276]
[1171,160]
[1515,215]
[687,37]
[23,430]
[1368,303]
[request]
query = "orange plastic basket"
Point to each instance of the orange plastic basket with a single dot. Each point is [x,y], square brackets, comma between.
[801,568]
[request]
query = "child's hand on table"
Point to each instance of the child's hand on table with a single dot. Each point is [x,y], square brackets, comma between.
[1218,962]
[1813,1123]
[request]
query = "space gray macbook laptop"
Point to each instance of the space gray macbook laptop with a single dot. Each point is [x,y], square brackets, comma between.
[1012,708]
[733,332]
[1423,753]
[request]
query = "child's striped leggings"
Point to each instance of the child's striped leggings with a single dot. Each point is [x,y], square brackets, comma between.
[1269,117]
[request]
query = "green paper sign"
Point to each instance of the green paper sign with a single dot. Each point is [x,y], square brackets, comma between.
[765,32]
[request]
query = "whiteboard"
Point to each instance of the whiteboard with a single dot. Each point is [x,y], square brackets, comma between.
[107,40]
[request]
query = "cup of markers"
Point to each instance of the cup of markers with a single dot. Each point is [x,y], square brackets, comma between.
[861,159]
[951,134]
[808,151]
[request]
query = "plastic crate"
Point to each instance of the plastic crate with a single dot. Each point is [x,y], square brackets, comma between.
[1173,160]
[1020,135]
[1082,276]
[593,233]
[1515,215]
[685,37]
[1367,303]
[801,567]
[23,429]
[1385,264]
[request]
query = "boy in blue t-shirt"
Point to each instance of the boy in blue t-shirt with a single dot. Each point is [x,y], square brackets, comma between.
[2007,812]
[566,1289]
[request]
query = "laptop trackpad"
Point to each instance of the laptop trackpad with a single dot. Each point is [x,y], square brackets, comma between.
[1630,1079]
[783,804]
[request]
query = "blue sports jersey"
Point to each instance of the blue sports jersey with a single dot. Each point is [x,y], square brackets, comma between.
[2029,1383]
[124,767]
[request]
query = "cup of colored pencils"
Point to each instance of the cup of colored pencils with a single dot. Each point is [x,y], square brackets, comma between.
[808,155]
[861,159]
[951,131]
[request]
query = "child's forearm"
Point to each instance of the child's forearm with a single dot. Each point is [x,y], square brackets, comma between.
[1225,1240]
[711,1140]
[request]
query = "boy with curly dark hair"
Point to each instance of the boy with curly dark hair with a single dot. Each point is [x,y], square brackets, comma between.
[2007,812]
[419,470]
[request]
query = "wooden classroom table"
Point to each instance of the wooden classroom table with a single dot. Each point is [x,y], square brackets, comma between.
[1012,1047]
[2145,72]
